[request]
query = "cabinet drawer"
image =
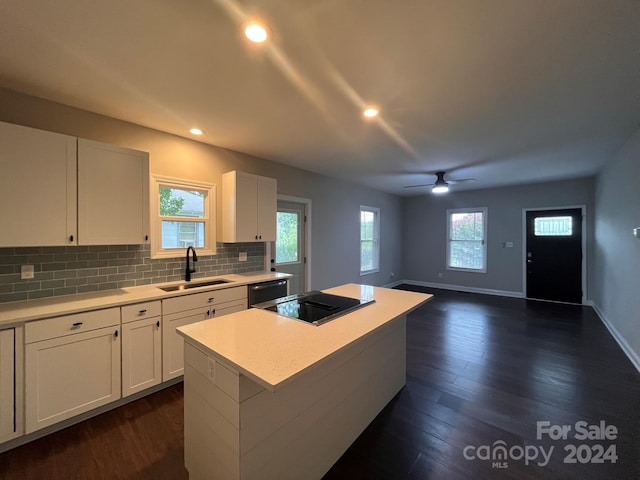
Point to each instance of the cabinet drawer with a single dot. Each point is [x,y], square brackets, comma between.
[70,324]
[204,299]
[140,311]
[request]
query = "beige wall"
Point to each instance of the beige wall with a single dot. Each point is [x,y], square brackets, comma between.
[335,204]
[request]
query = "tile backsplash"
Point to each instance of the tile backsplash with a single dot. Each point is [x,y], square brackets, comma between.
[70,270]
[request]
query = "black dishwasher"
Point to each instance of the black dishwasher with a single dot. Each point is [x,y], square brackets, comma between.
[263,292]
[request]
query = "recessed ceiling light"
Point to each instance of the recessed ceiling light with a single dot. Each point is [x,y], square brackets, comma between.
[370,112]
[196,131]
[256,33]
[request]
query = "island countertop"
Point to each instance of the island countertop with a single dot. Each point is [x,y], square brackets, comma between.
[272,350]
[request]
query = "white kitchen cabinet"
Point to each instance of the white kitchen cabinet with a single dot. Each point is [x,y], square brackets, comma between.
[60,190]
[186,309]
[249,207]
[38,187]
[72,365]
[113,195]
[11,384]
[141,347]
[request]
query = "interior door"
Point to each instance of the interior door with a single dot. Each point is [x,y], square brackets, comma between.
[288,251]
[554,255]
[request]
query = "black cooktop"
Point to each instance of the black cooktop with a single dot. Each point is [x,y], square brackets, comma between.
[313,307]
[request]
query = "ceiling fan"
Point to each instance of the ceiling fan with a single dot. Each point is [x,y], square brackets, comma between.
[441,185]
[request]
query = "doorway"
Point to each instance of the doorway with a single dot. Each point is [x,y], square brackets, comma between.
[554,260]
[289,253]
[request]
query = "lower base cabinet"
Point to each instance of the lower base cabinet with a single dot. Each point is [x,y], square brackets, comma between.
[141,355]
[69,373]
[9,427]
[180,311]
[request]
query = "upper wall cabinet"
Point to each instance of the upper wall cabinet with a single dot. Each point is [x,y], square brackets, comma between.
[60,190]
[113,195]
[249,205]
[37,187]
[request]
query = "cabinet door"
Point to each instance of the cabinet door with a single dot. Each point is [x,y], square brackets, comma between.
[172,343]
[7,390]
[70,375]
[141,355]
[37,187]
[267,208]
[113,195]
[246,213]
[229,307]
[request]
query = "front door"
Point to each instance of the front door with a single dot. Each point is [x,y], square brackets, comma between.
[288,251]
[554,255]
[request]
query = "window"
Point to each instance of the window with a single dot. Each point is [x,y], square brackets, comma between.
[369,240]
[183,216]
[553,226]
[467,234]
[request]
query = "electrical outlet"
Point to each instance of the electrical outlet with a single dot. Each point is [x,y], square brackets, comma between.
[242,257]
[439,274]
[27,272]
[211,369]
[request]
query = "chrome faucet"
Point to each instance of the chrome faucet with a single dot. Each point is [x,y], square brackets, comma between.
[190,270]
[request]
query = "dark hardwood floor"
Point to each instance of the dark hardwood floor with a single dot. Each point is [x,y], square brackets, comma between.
[481,371]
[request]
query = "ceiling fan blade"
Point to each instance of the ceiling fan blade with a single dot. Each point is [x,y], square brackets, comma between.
[462,180]
[414,186]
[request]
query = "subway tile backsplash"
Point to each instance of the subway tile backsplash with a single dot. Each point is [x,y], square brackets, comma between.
[70,270]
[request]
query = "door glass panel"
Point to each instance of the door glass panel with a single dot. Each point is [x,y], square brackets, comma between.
[287,237]
[553,226]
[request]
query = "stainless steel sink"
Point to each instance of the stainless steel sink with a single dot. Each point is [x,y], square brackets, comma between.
[190,285]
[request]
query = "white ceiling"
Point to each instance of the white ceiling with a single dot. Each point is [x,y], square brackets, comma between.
[506,91]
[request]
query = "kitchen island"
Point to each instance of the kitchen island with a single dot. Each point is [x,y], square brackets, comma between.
[271,397]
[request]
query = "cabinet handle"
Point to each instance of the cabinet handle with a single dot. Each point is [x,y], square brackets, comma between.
[146,237]
[213,311]
[142,312]
[158,324]
[210,299]
[115,334]
[256,237]
[76,325]
[71,238]
[260,237]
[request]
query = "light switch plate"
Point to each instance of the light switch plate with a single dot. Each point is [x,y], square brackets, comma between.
[26,272]
[636,232]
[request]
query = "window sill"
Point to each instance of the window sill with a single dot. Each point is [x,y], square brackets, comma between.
[470,270]
[367,272]
[181,253]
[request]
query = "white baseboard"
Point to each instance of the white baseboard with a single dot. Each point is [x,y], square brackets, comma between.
[394,284]
[460,288]
[626,348]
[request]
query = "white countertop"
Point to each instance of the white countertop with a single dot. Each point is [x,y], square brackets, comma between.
[26,310]
[272,349]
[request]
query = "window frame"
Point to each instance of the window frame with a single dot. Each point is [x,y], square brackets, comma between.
[209,218]
[484,212]
[375,240]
